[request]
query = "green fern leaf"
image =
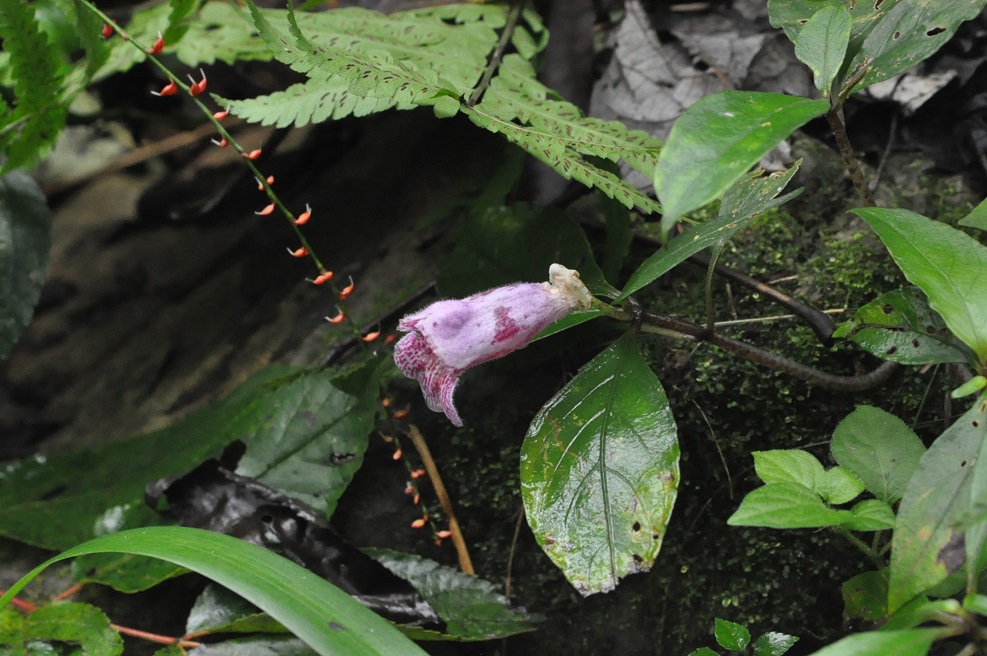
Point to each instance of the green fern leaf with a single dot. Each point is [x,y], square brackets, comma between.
[37,70]
[220,32]
[88,30]
[360,61]
[521,108]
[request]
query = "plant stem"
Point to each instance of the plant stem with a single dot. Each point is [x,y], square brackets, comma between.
[465,563]
[835,118]
[860,544]
[663,324]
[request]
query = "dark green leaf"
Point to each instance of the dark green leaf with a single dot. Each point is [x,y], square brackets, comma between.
[503,245]
[731,635]
[471,607]
[217,610]
[703,651]
[25,226]
[946,263]
[976,603]
[906,642]
[910,31]
[322,615]
[880,449]
[599,470]
[717,139]
[78,624]
[936,509]
[742,202]
[822,44]
[255,646]
[865,596]
[785,505]
[773,643]
[124,572]
[901,327]
[313,435]
[45,502]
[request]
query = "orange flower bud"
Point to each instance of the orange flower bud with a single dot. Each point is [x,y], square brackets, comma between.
[397,453]
[401,414]
[443,534]
[220,115]
[390,338]
[416,499]
[169,89]
[345,292]
[369,337]
[253,154]
[298,252]
[418,523]
[197,87]
[107,31]
[158,46]
[269,209]
[304,216]
[322,278]
[418,473]
[339,318]
[222,143]
[386,402]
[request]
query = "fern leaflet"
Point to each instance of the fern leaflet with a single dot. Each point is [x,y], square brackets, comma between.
[37,70]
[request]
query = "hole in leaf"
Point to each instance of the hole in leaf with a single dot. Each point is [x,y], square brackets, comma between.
[877,4]
[636,527]
[915,343]
[887,308]
[896,35]
[935,30]
[637,559]
[891,350]
[976,424]
[963,464]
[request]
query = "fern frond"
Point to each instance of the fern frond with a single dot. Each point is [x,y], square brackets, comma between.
[88,30]
[521,108]
[37,70]
[360,61]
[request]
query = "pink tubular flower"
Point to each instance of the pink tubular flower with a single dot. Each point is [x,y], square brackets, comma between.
[448,337]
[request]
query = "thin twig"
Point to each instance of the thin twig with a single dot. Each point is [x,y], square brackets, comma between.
[156,638]
[498,53]
[418,440]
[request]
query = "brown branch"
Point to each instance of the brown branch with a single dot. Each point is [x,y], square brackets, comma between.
[418,440]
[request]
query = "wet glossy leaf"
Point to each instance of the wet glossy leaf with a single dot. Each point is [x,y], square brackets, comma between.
[124,572]
[905,642]
[599,470]
[745,200]
[789,466]
[865,596]
[322,615]
[45,502]
[785,505]
[937,508]
[254,646]
[313,435]
[880,449]
[472,608]
[717,139]
[503,245]
[74,623]
[703,651]
[217,610]
[731,635]
[25,224]
[773,643]
[822,44]
[947,264]
[901,327]
[910,31]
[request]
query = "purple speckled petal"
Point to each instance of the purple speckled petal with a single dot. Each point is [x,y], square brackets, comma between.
[448,337]
[416,360]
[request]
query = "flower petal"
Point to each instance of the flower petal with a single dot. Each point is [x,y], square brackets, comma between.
[415,359]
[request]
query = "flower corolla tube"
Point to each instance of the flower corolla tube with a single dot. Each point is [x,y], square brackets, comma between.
[448,337]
